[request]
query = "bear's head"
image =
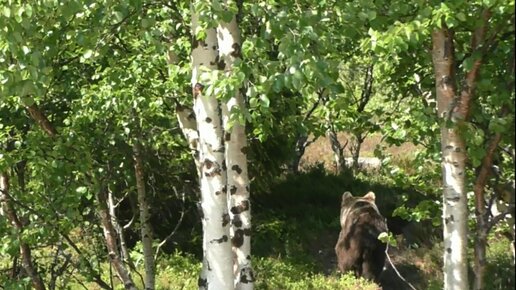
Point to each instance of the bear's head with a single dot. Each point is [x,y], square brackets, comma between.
[350,203]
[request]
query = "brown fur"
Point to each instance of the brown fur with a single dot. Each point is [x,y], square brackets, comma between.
[358,248]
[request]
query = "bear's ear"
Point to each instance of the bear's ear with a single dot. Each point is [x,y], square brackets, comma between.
[346,197]
[370,196]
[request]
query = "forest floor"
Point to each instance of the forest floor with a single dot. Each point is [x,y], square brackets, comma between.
[416,258]
[407,262]
[296,226]
[320,152]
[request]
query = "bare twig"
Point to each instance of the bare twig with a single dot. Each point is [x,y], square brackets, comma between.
[177,225]
[396,270]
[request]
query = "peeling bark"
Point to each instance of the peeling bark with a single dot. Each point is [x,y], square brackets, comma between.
[236,161]
[455,210]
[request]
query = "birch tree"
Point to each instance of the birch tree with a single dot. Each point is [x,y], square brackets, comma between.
[217,272]
[455,210]
[233,110]
[145,227]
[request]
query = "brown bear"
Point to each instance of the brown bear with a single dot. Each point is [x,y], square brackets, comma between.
[358,248]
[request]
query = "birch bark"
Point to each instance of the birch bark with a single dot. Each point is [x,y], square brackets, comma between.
[145,227]
[217,270]
[455,210]
[235,139]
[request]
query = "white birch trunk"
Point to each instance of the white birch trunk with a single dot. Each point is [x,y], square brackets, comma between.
[218,258]
[236,160]
[145,228]
[455,210]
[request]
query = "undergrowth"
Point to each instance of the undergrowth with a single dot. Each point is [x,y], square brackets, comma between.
[295,228]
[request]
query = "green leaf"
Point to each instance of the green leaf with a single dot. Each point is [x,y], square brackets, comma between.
[81,189]
[265,102]
[146,22]
[461,16]
[87,54]
[6,11]
[371,14]
[119,16]
[388,238]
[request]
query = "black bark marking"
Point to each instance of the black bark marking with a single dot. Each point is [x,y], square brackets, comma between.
[223,239]
[221,65]
[457,149]
[208,120]
[218,192]
[236,53]
[247,188]
[220,150]
[195,43]
[225,189]
[247,232]
[245,150]
[214,47]
[214,172]
[246,275]
[197,89]
[227,136]
[225,219]
[236,168]
[455,198]
[203,43]
[237,221]
[208,163]
[448,250]
[202,283]
[224,167]
[238,238]
[191,116]
[233,189]
[238,209]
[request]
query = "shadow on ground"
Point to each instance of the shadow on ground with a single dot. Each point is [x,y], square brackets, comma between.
[299,220]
